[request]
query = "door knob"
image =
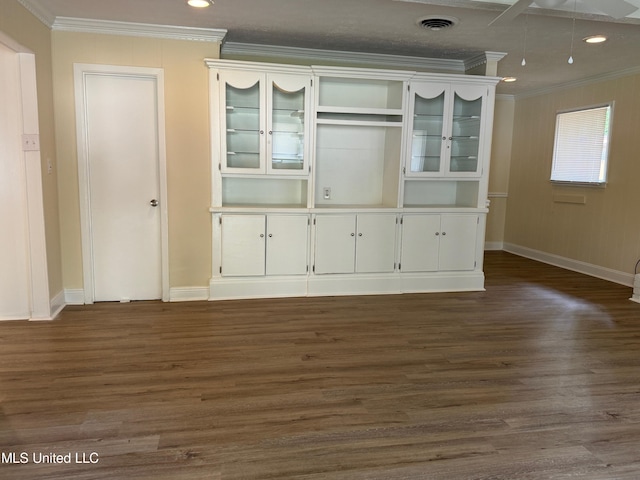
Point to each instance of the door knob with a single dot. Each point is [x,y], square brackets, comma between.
[153,203]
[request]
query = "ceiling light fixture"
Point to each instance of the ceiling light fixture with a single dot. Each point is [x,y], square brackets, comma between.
[524,47]
[573,31]
[199,3]
[595,39]
[509,79]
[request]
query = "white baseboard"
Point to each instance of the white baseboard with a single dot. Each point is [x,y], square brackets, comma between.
[57,303]
[492,246]
[74,296]
[188,294]
[597,271]
[176,294]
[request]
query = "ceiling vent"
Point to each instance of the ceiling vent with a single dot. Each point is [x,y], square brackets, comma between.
[436,23]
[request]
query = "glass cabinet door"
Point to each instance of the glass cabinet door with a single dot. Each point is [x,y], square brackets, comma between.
[465,134]
[243,127]
[427,135]
[287,129]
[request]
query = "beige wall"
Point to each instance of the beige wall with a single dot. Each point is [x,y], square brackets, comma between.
[187,137]
[606,230]
[17,23]
[499,170]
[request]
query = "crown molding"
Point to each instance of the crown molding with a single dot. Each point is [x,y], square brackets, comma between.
[580,83]
[84,25]
[38,11]
[312,55]
[483,58]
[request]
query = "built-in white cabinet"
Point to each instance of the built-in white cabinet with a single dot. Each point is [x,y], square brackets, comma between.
[333,180]
[256,245]
[439,242]
[355,243]
[265,120]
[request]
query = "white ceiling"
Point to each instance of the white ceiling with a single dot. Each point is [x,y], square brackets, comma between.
[389,27]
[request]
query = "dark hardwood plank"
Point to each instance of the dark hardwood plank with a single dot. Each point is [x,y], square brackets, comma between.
[538,377]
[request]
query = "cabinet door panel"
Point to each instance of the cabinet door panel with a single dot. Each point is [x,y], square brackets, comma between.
[242,122]
[335,244]
[288,130]
[243,245]
[420,243]
[458,242]
[466,129]
[428,110]
[287,241]
[375,243]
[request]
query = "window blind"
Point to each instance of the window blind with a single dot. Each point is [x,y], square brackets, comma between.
[582,146]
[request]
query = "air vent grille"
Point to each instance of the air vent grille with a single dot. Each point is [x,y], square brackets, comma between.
[437,23]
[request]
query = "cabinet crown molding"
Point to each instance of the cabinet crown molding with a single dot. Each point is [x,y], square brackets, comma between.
[83,25]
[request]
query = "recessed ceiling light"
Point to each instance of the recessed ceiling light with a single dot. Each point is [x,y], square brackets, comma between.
[595,39]
[199,3]
[509,79]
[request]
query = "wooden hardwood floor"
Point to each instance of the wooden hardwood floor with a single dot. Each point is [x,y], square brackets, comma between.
[536,378]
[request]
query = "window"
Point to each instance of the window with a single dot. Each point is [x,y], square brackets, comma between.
[581,146]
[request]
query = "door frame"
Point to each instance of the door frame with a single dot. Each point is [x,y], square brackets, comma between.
[40,304]
[80,72]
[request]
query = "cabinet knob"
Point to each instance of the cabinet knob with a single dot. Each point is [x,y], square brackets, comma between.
[262,235]
[437,233]
[353,234]
[444,233]
[261,132]
[444,138]
[359,234]
[270,235]
[270,132]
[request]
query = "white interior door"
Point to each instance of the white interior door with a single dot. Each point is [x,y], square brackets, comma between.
[14,241]
[123,144]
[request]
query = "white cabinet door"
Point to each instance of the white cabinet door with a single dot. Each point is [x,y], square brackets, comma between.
[433,242]
[466,131]
[288,123]
[420,243]
[458,242]
[429,129]
[287,242]
[335,244]
[447,129]
[242,122]
[243,245]
[265,122]
[375,243]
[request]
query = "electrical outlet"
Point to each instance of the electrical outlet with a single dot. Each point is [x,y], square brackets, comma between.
[326,193]
[30,142]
